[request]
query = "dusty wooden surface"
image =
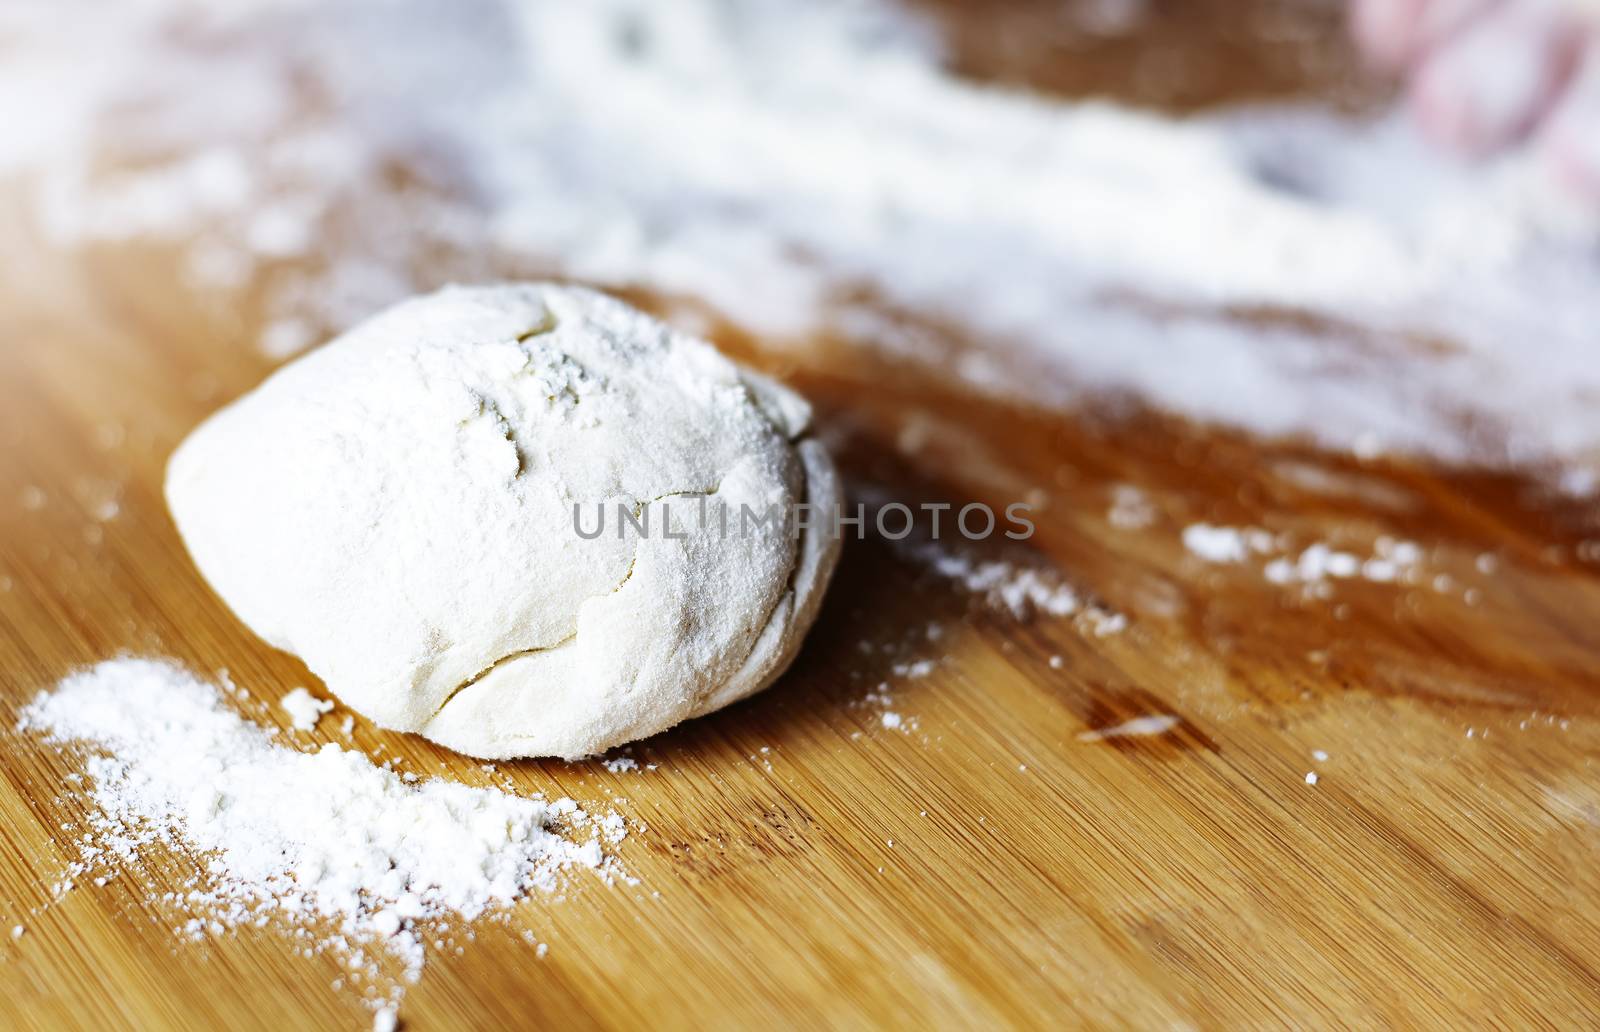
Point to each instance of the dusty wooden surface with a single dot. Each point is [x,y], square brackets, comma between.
[995,863]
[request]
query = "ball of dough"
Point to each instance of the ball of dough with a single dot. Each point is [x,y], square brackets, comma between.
[397,508]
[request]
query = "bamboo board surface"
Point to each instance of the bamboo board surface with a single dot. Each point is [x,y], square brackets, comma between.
[1000,861]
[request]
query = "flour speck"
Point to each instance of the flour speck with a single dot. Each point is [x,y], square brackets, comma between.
[304,709]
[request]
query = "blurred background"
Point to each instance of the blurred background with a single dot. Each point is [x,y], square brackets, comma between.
[1214,210]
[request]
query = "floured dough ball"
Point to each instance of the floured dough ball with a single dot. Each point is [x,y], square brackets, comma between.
[397,508]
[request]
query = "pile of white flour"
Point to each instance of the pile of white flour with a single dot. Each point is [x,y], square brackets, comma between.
[350,856]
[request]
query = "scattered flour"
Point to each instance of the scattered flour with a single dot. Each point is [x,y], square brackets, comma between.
[1131,508]
[304,709]
[890,719]
[1155,724]
[914,668]
[1017,589]
[1314,566]
[1391,561]
[1103,623]
[1216,544]
[898,662]
[1371,294]
[1012,587]
[347,855]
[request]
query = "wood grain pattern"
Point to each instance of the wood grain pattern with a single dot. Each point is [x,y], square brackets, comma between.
[805,864]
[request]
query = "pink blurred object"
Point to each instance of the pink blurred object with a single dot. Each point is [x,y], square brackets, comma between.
[1394,33]
[1483,76]
[1571,138]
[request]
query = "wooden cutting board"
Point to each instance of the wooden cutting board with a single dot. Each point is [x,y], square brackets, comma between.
[999,858]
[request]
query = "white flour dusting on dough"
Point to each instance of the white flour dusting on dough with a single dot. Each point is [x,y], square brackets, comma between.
[520,520]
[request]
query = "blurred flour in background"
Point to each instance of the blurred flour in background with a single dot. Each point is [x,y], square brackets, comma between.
[809,168]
